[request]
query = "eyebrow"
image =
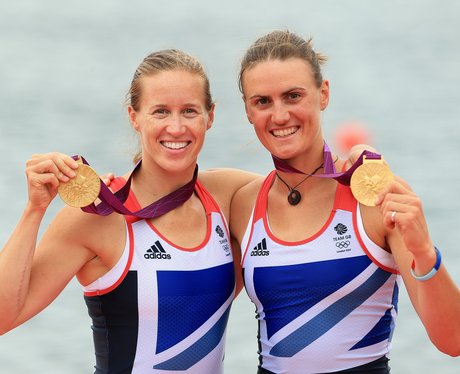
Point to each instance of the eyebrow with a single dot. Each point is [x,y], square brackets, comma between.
[194,105]
[282,94]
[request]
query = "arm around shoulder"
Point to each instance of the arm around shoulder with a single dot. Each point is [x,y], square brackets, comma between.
[223,183]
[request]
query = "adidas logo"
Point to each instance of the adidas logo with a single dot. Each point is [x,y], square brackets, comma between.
[156,251]
[219,231]
[260,249]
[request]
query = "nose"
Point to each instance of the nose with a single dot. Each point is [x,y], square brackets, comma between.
[280,114]
[175,126]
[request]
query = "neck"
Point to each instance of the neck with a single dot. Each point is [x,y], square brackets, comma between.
[294,195]
[154,182]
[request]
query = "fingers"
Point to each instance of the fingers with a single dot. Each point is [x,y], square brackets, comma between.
[107,178]
[357,150]
[44,174]
[399,205]
[61,166]
[397,186]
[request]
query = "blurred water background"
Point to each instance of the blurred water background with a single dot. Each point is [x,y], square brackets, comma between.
[65,67]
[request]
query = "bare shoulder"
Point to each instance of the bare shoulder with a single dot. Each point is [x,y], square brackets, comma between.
[245,197]
[222,177]
[241,207]
[223,183]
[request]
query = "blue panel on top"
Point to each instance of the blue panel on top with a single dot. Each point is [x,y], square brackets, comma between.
[288,291]
[187,299]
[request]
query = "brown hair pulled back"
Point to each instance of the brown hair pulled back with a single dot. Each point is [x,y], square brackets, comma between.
[282,45]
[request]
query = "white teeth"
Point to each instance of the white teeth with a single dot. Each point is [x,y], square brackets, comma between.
[175,145]
[284,132]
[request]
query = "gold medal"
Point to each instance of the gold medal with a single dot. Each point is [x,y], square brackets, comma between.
[369,179]
[81,190]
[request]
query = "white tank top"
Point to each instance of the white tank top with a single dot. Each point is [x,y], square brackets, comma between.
[326,303]
[163,308]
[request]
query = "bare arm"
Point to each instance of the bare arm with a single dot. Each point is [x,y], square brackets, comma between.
[30,279]
[437,300]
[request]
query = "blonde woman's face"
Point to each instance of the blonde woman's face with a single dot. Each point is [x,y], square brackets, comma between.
[172,118]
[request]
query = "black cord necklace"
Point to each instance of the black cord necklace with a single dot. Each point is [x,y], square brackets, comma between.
[294,195]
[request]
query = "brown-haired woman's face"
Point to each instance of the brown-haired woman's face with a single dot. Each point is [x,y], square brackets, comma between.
[284,104]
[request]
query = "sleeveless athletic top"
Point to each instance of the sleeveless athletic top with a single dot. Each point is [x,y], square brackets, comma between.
[163,308]
[323,304]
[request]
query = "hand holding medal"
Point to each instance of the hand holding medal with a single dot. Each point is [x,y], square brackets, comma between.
[83,189]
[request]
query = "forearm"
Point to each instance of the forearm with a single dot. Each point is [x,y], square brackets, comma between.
[15,266]
[437,302]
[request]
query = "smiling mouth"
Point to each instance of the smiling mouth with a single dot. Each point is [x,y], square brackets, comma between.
[175,145]
[280,133]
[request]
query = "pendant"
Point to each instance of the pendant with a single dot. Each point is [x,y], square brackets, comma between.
[294,197]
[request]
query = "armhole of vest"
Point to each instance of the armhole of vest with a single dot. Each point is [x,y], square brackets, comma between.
[247,234]
[210,206]
[130,244]
[363,237]
[259,211]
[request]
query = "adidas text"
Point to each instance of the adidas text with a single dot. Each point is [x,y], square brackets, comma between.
[156,251]
[164,256]
[260,252]
[260,249]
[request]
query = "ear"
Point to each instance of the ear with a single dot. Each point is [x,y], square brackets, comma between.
[133,118]
[246,109]
[324,94]
[210,117]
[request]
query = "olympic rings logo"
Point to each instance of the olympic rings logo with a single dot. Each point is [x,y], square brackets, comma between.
[342,245]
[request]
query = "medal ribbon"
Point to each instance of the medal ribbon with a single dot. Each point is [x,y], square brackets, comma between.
[114,202]
[329,166]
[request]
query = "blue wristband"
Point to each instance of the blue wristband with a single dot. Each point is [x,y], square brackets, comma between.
[432,272]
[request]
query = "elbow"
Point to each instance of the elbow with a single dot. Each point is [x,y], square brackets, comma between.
[6,325]
[4,330]
[449,345]
[453,351]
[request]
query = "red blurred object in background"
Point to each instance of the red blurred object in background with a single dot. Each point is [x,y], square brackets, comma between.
[349,134]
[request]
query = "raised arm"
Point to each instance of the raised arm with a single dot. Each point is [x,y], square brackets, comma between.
[30,279]
[436,299]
